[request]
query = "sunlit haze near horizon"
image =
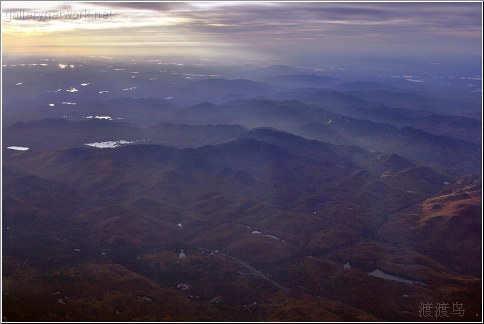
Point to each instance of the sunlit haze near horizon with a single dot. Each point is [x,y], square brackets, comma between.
[241,32]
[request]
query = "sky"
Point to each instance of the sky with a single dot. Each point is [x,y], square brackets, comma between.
[243,31]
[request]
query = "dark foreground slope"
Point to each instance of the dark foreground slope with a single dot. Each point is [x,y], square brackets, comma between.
[269,226]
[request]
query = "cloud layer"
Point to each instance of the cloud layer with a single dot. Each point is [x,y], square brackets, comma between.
[251,30]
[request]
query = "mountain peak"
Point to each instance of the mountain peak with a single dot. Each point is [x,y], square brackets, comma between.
[397,162]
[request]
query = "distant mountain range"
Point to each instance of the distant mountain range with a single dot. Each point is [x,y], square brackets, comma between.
[172,192]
